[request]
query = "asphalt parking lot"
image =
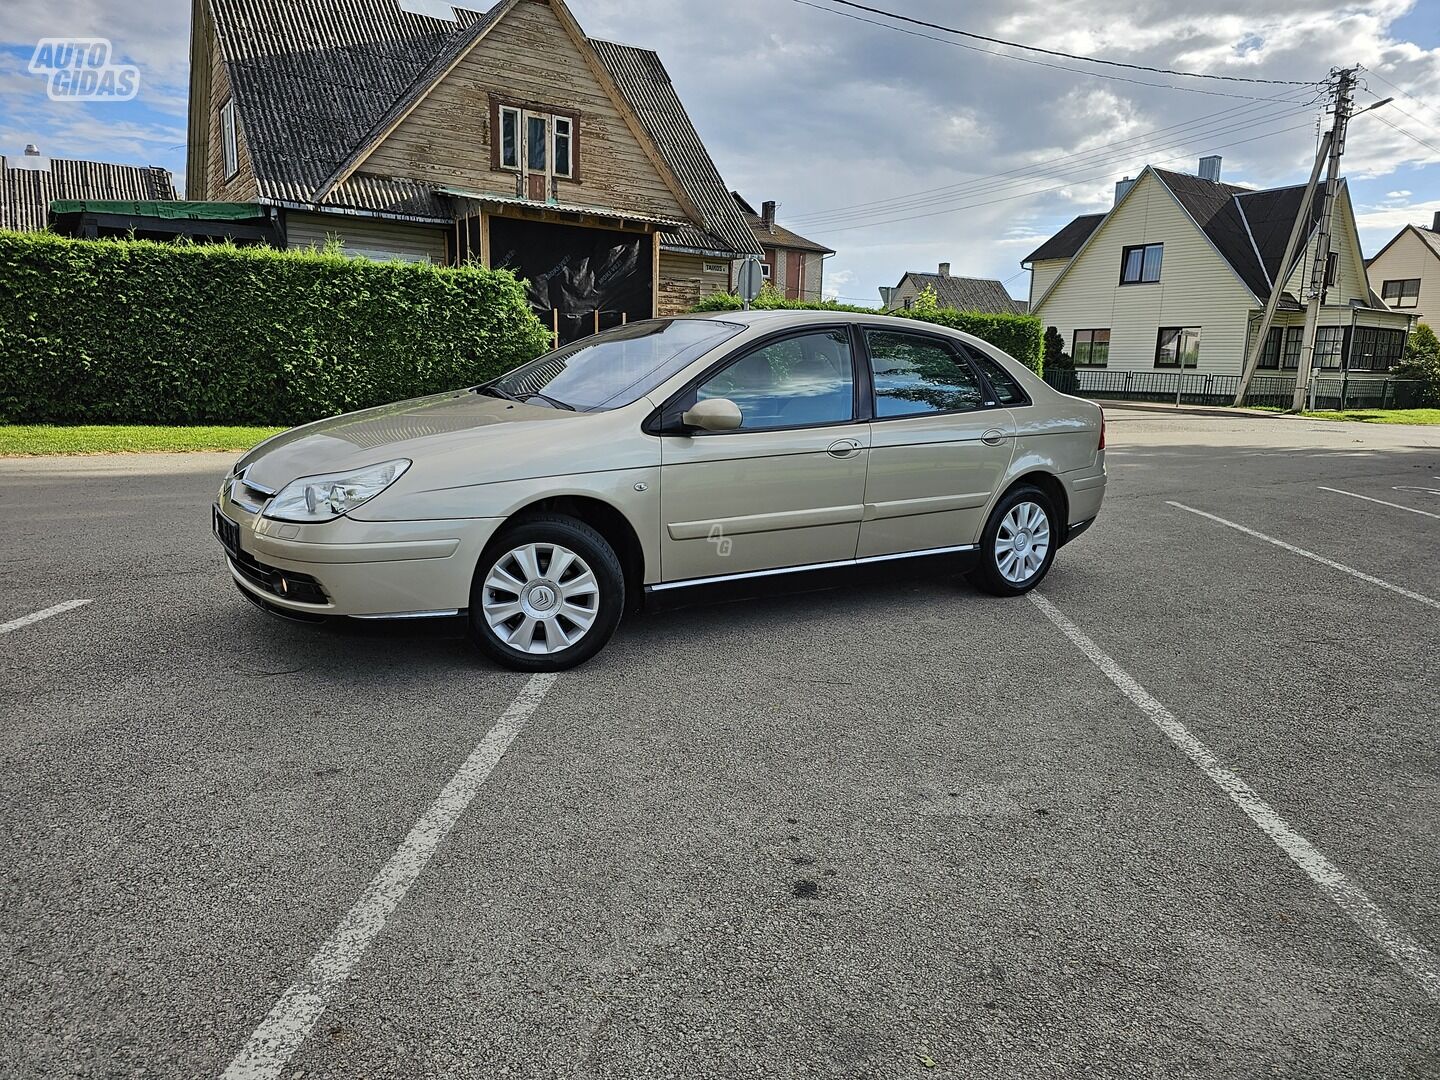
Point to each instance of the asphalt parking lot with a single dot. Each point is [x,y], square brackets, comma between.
[1178,818]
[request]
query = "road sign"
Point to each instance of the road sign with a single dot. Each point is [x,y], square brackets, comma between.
[750,280]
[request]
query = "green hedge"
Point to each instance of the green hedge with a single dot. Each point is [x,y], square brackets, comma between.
[129,331]
[1022,336]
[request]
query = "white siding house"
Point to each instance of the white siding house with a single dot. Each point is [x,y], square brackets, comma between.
[1176,275]
[1407,272]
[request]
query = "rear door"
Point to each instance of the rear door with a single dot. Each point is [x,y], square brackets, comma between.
[940,444]
[787,488]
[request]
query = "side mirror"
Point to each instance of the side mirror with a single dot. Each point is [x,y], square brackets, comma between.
[713,414]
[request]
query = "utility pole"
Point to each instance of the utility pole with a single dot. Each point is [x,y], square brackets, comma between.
[1344,101]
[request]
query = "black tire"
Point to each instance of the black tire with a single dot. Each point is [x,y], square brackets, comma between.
[590,546]
[987,575]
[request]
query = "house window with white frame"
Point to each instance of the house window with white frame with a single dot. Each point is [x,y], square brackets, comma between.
[544,141]
[229,139]
[1401,292]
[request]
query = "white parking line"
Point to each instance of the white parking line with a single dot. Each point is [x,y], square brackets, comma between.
[1382,502]
[1371,578]
[1412,957]
[36,616]
[268,1050]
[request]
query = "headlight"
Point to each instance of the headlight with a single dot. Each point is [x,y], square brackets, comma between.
[325,498]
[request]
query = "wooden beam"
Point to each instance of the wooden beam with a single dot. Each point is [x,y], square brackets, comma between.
[655,278]
[484,239]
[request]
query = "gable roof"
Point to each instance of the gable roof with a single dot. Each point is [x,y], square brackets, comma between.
[966,294]
[1248,228]
[27,190]
[1065,243]
[646,85]
[318,85]
[1429,237]
[775,234]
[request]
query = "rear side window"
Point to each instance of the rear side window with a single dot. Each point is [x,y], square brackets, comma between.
[916,375]
[1006,386]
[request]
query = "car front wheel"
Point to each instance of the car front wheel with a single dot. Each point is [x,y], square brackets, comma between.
[548,593]
[1018,544]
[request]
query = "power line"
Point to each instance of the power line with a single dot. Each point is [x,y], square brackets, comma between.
[1134,146]
[1171,143]
[1064,55]
[1056,187]
[1029,60]
[1409,135]
[1129,140]
[1403,93]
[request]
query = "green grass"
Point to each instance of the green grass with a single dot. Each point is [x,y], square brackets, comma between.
[30,440]
[1365,416]
[1382,416]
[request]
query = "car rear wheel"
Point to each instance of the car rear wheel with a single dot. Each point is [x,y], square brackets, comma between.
[1018,544]
[548,593]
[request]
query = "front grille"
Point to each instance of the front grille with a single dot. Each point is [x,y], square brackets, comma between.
[286,584]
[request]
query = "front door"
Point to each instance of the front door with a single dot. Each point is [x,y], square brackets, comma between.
[939,447]
[787,487]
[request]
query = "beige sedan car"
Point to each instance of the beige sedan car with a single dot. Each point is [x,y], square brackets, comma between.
[660,456]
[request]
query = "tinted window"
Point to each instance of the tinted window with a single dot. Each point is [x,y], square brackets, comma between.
[1006,386]
[916,375]
[808,379]
[615,367]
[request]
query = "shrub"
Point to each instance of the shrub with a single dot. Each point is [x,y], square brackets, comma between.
[1056,358]
[1422,359]
[1018,335]
[130,331]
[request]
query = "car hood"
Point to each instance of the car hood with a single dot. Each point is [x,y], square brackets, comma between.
[418,427]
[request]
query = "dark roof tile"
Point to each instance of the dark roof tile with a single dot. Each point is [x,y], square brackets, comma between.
[968,294]
[1065,243]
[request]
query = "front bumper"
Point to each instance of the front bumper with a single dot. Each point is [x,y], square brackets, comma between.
[361,569]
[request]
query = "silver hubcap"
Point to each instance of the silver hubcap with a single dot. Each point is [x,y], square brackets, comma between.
[540,598]
[1022,542]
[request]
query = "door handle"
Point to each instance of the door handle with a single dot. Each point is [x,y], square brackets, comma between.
[844,448]
[994,437]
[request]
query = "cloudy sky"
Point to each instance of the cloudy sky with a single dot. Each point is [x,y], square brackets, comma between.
[901,150]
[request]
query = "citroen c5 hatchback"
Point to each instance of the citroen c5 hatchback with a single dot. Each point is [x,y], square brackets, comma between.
[662,455]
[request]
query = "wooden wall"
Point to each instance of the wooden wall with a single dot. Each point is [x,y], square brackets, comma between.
[526,56]
[684,282]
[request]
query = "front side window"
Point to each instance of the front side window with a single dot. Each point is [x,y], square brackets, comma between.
[1141,264]
[1091,348]
[916,375]
[614,367]
[229,139]
[1329,346]
[1401,292]
[797,382]
[1178,347]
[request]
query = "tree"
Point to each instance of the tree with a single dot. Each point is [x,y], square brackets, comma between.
[1056,358]
[1422,357]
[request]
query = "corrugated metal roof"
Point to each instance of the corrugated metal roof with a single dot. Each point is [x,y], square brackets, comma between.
[967,294]
[26,192]
[646,85]
[562,208]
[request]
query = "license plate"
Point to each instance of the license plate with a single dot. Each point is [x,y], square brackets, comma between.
[227,532]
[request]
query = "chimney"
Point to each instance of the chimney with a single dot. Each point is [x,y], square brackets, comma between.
[1121,187]
[1435,222]
[944,269]
[31,150]
[1210,168]
[767,215]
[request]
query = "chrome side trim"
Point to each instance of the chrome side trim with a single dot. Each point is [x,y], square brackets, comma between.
[448,612]
[837,564]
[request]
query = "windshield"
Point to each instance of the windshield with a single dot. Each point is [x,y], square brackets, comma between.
[615,367]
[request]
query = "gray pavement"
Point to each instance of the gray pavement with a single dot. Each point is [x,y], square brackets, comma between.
[889,829]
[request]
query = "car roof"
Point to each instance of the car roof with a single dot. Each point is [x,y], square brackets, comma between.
[777,318]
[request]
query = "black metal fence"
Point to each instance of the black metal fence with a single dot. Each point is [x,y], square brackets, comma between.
[1193,388]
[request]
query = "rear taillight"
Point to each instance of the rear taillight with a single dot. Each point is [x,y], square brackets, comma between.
[1102,430]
